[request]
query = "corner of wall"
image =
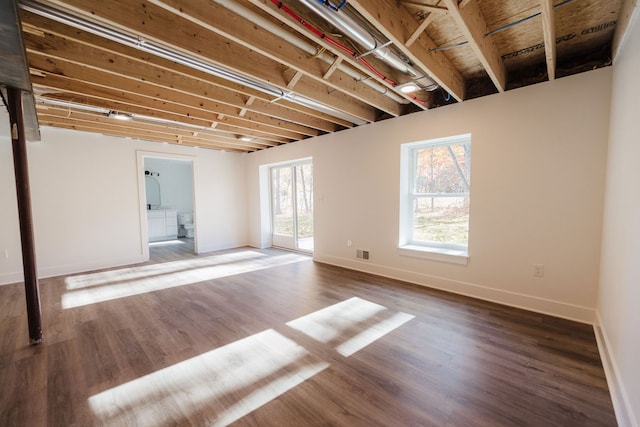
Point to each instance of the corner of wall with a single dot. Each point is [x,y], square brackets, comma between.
[621,404]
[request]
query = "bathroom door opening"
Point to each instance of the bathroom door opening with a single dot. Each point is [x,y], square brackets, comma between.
[165,217]
[292,206]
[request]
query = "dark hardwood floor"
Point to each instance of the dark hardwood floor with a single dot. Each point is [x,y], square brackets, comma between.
[269,338]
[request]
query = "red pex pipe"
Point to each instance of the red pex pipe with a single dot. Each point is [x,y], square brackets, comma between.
[334,42]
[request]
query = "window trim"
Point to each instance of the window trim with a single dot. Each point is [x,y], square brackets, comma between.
[445,252]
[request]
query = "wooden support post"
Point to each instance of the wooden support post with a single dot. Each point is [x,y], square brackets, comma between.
[20,166]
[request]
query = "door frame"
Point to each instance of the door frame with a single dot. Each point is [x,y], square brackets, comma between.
[292,164]
[142,195]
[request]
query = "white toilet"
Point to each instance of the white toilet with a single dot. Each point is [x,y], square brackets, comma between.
[186,227]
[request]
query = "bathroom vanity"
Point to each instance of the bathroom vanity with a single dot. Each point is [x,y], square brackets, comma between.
[163,224]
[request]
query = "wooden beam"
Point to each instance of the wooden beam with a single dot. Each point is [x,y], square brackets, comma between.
[473,26]
[200,83]
[549,32]
[62,57]
[334,65]
[136,130]
[294,80]
[625,17]
[134,103]
[418,31]
[427,7]
[394,22]
[60,115]
[151,23]
[140,111]
[268,7]
[23,194]
[218,19]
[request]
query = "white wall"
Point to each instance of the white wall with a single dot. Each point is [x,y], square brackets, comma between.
[176,182]
[86,203]
[537,185]
[619,299]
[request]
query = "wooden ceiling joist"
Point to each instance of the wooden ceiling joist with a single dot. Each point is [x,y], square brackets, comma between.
[398,25]
[212,73]
[333,67]
[549,33]
[275,12]
[211,135]
[114,75]
[473,26]
[55,114]
[193,123]
[219,20]
[128,133]
[131,102]
[160,71]
[418,31]
[295,79]
[425,6]
[152,23]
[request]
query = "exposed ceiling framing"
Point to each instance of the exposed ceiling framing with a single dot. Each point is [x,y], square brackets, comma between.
[246,75]
[14,70]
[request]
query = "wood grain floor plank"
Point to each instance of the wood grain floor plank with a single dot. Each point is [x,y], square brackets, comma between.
[243,337]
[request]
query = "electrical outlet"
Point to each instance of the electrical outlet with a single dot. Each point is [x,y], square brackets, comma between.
[349,243]
[538,270]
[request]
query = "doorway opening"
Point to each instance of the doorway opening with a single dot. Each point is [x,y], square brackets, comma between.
[167,200]
[292,205]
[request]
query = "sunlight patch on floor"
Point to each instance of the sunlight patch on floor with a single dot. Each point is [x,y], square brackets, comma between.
[221,386]
[216,388]
[81,281]
[350,325]
[109,285]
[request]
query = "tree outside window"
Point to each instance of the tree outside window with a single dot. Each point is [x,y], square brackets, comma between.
[439,193]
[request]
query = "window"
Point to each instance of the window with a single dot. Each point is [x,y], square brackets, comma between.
[434,211]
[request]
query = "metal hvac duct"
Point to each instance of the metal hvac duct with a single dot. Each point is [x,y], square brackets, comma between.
[157,49]
[309,48]
[336,16]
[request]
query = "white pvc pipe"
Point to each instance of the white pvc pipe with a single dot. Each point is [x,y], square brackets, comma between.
[360,35]
[305,46]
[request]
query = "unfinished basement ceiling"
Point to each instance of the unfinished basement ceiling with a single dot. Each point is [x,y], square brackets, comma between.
[245,75]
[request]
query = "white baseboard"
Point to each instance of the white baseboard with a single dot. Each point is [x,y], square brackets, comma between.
[68,269]
[204,248]
[12,277]
[65,270]
[621,404]
[513,299]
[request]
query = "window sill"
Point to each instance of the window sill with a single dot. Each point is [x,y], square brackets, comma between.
[435,254]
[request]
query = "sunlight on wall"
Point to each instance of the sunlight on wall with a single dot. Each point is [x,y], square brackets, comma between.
[216,388]
[350,325]
[109,285]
